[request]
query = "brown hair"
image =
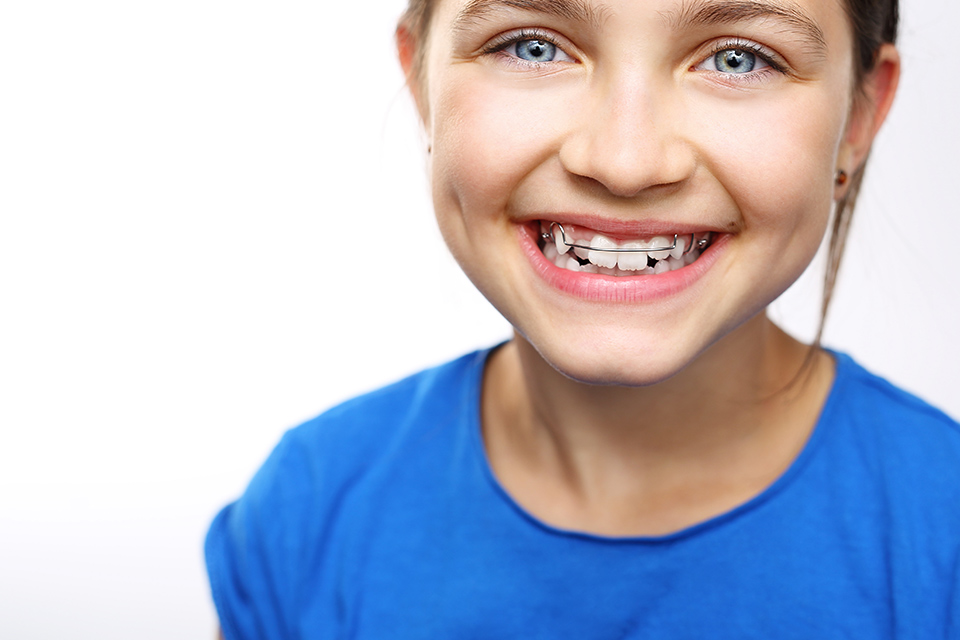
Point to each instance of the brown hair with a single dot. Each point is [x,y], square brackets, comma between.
[874,23]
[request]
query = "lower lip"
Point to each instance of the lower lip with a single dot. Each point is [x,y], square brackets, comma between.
[597,287]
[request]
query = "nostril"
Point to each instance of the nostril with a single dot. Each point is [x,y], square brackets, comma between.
[624,160]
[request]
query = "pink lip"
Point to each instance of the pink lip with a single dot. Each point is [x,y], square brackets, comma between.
[628,229]
[600,288]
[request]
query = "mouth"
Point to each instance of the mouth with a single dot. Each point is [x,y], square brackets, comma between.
[584,250]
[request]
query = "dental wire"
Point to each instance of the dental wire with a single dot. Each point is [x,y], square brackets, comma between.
[563,238]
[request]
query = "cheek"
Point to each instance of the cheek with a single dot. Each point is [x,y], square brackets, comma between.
[487,137]
[777,160]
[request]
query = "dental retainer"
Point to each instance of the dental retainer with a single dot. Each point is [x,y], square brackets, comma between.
[563,238]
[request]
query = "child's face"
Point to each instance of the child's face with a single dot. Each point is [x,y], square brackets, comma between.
[635,119]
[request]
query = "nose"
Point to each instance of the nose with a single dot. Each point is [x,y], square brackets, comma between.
[628,137]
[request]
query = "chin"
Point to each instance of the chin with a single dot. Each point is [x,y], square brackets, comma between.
[611,364]
[636,373]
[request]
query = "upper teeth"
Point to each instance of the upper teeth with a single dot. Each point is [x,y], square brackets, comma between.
[563,238]
[632,261]
[604,257]
[627,256]
[681,245]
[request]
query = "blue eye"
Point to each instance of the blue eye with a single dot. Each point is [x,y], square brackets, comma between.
[528,48]
[734,61]
[535,50]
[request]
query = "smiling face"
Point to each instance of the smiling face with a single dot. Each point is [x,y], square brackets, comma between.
[629,123]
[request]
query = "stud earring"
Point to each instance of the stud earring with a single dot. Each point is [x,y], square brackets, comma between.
[841,177]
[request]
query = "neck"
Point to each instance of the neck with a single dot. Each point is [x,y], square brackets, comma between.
[731,415]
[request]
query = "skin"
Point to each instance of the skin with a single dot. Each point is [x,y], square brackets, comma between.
[644,417]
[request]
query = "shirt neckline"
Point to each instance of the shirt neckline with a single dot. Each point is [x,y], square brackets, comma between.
[843,371]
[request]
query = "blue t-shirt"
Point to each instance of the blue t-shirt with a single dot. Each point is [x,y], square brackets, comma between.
[381,519]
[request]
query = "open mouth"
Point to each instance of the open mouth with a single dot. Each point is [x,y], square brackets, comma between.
[585,250]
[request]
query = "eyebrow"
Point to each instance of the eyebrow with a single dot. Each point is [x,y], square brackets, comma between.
[576,10]
[708,12]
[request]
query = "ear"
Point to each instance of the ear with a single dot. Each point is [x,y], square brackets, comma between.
[870,107]
[411,61]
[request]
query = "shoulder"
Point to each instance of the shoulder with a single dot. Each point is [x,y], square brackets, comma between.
[380,420]
[325,481]
[870,401]
[906,447]
[337,448]
[888,467]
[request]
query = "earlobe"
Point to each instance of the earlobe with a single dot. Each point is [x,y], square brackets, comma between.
[870,107]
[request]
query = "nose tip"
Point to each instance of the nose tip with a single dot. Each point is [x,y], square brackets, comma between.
[630,141]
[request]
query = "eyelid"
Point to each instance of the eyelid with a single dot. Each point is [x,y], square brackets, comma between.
[502,41]
[764,53]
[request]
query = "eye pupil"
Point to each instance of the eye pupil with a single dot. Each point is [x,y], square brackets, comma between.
[536,50]
[735,58]
[735,61]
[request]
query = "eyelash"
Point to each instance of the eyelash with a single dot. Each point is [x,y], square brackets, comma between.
[746,45]
[502,41]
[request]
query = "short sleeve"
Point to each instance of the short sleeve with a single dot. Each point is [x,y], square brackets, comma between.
[953,605]
[254,546]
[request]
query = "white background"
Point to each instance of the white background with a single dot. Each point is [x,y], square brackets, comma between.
[214,223]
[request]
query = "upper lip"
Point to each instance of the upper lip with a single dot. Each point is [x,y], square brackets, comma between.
[619,228]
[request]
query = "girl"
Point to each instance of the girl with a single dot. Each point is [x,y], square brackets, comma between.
[630,184]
